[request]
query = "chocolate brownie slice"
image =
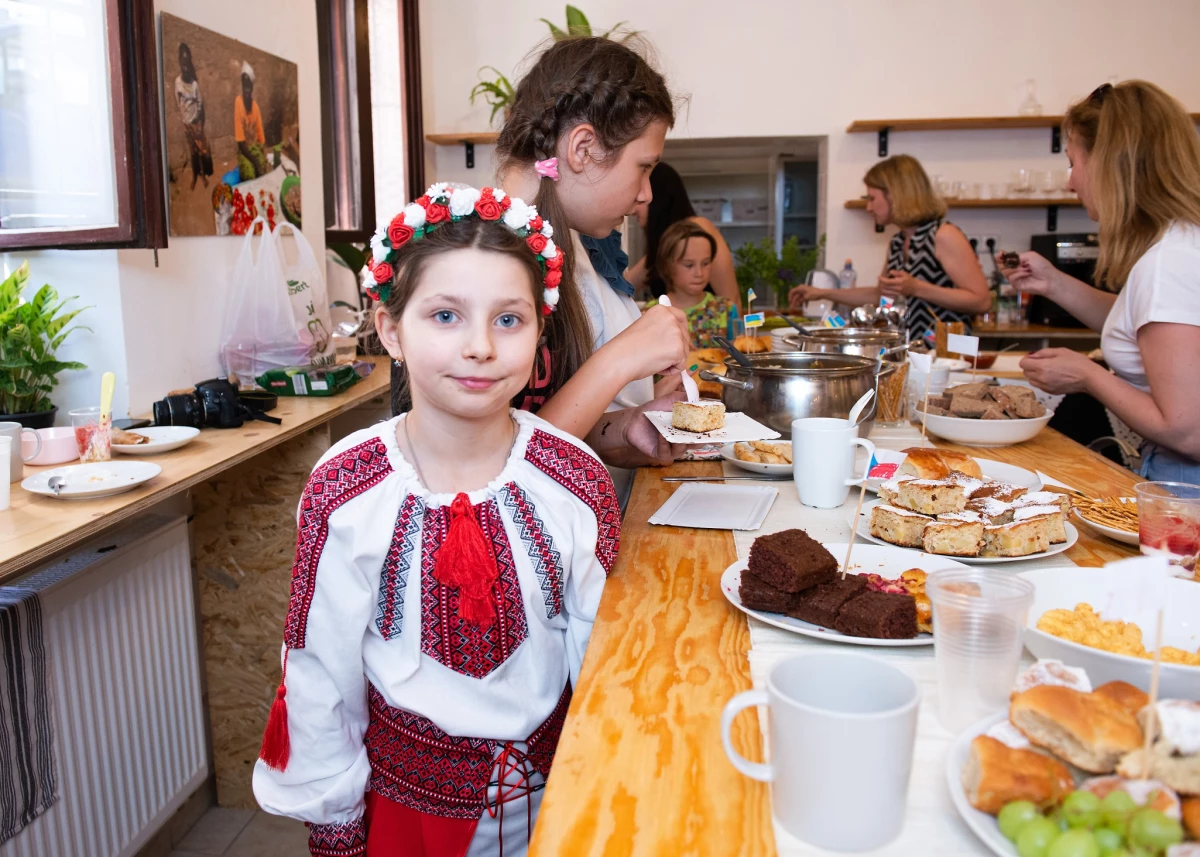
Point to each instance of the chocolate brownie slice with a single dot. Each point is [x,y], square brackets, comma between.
[757,595]
[883,615]
[820,604]
[791,561]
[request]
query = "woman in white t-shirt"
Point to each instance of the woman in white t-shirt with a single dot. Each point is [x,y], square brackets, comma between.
[1135,160]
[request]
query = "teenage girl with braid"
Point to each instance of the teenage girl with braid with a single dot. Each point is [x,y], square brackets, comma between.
[449,562]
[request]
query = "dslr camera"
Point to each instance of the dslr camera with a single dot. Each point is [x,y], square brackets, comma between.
[213,404]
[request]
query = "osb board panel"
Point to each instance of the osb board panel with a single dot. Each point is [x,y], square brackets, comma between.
[244,538]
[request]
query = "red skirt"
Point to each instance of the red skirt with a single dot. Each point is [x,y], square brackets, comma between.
[394,830]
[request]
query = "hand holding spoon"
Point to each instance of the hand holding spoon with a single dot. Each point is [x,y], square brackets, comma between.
[689,385]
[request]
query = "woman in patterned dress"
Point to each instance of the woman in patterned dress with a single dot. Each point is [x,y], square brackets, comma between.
[931,269]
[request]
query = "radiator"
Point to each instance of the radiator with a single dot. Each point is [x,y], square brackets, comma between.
[125,676]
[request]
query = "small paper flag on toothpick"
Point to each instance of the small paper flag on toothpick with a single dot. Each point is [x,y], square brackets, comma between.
[750,296]
[923,363]
[960,344]
[755,319]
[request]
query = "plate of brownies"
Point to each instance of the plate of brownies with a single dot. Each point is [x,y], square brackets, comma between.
[792,581]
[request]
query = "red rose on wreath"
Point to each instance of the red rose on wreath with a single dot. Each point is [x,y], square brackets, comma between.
[536,242]
[437,213]
[552,279]
[399,233]
[383,272]
[555,262]
[536,224]
[488,209]
[422,200]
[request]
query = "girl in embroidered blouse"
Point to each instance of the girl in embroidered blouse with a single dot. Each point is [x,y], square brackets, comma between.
[449,562]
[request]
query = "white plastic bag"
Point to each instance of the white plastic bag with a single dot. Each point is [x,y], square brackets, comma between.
[277,313]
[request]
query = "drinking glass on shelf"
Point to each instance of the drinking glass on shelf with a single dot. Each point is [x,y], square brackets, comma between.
[958,190]
[92,436]
[997,190]
[1061,177]
[979,191]
[1045,182]
[943,188]
[1030,106]
[1022,182]
[1169,518]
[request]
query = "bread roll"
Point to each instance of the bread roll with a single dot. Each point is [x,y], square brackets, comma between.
[707,355]
[752,344]
[1130,698]
[1086,729]
[927,463]
[996,774]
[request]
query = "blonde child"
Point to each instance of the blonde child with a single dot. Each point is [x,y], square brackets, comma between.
[449,561]
[684,262]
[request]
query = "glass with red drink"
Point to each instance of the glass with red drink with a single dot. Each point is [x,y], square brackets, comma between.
[1169,519]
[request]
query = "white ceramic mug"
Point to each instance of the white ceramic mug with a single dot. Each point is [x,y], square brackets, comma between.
[823,460]
[16,465]
[841,729]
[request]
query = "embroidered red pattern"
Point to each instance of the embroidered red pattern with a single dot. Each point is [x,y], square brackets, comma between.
[418,765]
[389,613]
[445,637]
[547,562]
[338,480]
[587,479]
[337,840]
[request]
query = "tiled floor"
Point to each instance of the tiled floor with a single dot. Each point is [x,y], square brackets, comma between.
[243,833]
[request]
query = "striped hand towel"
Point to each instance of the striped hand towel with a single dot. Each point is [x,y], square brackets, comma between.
[28,784]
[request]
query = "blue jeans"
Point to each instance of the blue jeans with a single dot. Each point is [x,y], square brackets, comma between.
[1161,465]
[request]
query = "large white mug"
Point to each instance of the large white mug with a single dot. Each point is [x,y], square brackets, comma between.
[16,461]
[823,460]
[841,729]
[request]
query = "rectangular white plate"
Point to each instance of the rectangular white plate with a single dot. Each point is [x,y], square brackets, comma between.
[738,427]
[716,507]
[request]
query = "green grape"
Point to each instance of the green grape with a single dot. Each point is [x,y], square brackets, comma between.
[1109,840]
[1117,807]
[1082,809]
[1036,838]
[1015,815]
[1152,830]
[1075,843]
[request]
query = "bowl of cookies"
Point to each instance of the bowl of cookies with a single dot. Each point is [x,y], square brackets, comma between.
[985,414]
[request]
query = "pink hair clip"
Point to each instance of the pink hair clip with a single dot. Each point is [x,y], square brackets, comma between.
[547,169]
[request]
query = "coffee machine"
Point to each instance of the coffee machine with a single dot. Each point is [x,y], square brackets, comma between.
[1073,254]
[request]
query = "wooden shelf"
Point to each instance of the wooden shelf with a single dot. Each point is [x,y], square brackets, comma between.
[741,224]
[481,138]
[968,123]
[1033,202]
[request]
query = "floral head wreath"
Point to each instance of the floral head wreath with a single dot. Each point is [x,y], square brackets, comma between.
[445,204]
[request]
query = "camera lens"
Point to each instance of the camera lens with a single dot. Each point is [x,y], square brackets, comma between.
[181,410]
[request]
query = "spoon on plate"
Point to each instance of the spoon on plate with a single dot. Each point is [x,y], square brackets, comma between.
[860,406]
[56,484]
[689,384]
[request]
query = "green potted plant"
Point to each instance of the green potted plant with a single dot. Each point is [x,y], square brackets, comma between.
[758,266]
[498,90]
[30,335]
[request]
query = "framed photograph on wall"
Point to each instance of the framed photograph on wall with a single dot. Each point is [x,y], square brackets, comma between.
[232,120]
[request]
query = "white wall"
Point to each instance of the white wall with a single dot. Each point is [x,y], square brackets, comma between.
[159,328]
[810,67]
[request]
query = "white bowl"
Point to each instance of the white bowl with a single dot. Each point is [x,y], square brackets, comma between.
[984,432]
[58,446]
[1065,587]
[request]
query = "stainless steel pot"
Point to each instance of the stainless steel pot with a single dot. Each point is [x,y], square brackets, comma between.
[863,341]
[778,388]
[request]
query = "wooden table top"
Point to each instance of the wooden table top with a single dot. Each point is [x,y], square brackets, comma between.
[1029,330]
[35,528]
[640,768]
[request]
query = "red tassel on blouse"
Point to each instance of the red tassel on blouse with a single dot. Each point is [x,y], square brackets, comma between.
[276,744]
[466,562]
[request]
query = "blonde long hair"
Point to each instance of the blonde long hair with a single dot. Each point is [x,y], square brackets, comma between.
[911,194]
[1144,166]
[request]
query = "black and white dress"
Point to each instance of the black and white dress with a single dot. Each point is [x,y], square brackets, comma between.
[921,316]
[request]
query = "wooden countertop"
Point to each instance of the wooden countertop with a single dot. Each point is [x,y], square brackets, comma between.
[1029,330]
[640,768]
[35,528]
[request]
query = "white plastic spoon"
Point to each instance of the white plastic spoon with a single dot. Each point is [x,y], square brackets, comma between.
[689,385]
[860,406]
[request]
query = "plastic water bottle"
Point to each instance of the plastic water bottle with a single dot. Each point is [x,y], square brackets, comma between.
[847,277]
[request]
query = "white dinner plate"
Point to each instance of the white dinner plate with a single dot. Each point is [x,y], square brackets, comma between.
[864,531]
[1063,588]
[982,825]
[162,439]
[888,562]
[993,471]
[755,466]
[1123,536]
[88,481]
[738,427]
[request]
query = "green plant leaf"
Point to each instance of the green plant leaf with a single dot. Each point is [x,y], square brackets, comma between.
[14,363]
[354,257]
[577,22]
[555,32]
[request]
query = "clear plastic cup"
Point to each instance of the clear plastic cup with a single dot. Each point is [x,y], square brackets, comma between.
[978,622]
[93,437]
[1169,519]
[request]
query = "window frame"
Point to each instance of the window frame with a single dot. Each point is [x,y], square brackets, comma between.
[139,186]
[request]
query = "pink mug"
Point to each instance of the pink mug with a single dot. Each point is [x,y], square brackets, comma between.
[57,446]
